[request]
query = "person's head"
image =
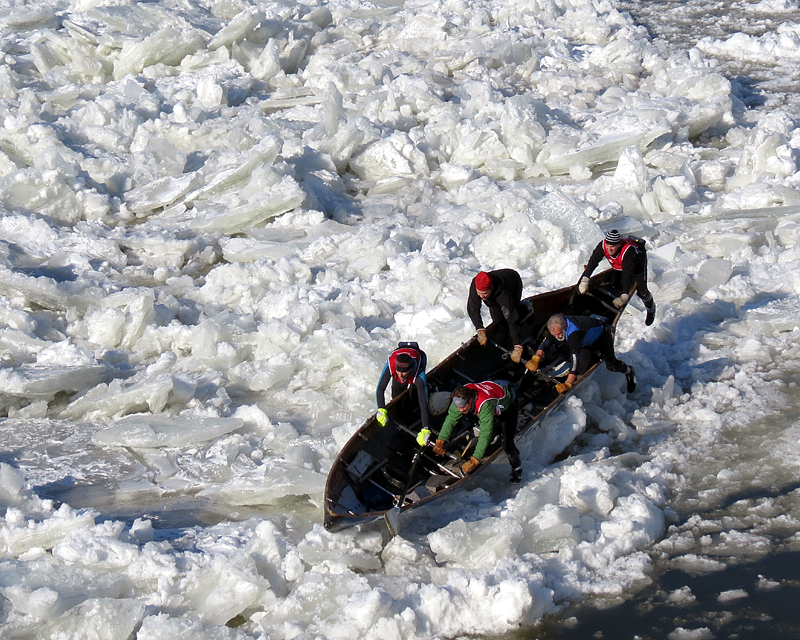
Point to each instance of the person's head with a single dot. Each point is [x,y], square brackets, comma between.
[483,285]
[403,366]
[464,398]
[557,326]
[613,241]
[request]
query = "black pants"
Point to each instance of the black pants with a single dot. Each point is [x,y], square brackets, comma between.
[604,345]
[640,278]
[507,421]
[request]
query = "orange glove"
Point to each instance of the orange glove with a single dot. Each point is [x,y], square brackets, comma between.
[563,387]
[532,365]
[516,354]
[469,465]
[481,337]
[438,448]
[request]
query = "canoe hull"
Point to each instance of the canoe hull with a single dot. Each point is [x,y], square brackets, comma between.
[372,470]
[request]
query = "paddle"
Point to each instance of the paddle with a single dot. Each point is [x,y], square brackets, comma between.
[392,516]
[593,294]
[507,354]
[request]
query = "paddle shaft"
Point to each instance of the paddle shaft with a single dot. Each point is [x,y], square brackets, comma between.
[522,362]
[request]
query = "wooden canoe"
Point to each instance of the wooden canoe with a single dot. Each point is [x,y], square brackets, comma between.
[371,472]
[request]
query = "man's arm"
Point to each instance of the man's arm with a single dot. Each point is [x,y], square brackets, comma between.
[422,394]
[486,424]
[597,255]
[453,416]
[382,384]
[474,307]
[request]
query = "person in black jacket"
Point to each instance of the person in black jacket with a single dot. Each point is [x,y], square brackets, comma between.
[628,257]
[501,291]
[585,335]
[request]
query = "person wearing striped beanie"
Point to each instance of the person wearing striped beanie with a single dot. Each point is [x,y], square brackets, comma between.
[628,257]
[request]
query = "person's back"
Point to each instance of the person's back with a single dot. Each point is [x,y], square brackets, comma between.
[501,292]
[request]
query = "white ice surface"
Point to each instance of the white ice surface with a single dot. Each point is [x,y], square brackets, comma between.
[217,218]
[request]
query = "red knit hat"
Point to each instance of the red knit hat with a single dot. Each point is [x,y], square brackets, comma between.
[483,281]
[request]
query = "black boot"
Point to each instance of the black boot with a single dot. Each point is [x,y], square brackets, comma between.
[516,475]
[651,314]
[630,378]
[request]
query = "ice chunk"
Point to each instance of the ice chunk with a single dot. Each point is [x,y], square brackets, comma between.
[480,543]
[588,490]
[159,193]
[268,484]
[225,587]
[147,431]
[18,536]
[393,156]
[37,382]
[168,46]
[358,551]
[238,28]
[114,618]
[713,272]
[12,484]
[270,202]
[631,171]
[604,150]
[559,209]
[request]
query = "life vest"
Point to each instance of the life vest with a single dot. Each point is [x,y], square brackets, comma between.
[616,261]
[487,391]
[591,334]
[415,356]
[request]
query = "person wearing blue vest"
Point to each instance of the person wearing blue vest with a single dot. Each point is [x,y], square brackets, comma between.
[493,402]
[405,367]
[585,336]
[628,257]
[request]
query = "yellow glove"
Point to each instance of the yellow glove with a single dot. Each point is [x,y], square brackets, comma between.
[583,286]
[382,416]
[621,301]
[532,365]
[438,448]
[481,337]
[423,436]
[470,464]
[563,387]
[516,354]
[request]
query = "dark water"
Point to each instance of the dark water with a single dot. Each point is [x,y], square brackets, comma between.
[760,601]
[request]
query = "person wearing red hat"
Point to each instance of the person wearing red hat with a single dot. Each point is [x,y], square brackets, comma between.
[501,292]
[628,257]
[405,367]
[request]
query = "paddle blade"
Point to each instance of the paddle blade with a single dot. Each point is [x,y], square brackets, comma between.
[392,518]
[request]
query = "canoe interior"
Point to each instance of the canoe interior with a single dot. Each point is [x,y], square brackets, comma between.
[372,470]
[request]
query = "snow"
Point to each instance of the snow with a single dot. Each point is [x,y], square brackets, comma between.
[217,218]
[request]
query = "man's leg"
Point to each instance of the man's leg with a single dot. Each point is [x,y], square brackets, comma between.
[605,345]
[508,420]
[644,293]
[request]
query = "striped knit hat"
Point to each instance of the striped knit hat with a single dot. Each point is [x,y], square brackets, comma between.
[403,363]
[612,237]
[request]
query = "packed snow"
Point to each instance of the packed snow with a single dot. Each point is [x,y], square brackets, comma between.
[219,217]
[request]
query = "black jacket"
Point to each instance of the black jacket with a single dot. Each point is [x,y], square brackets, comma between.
[505,298]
